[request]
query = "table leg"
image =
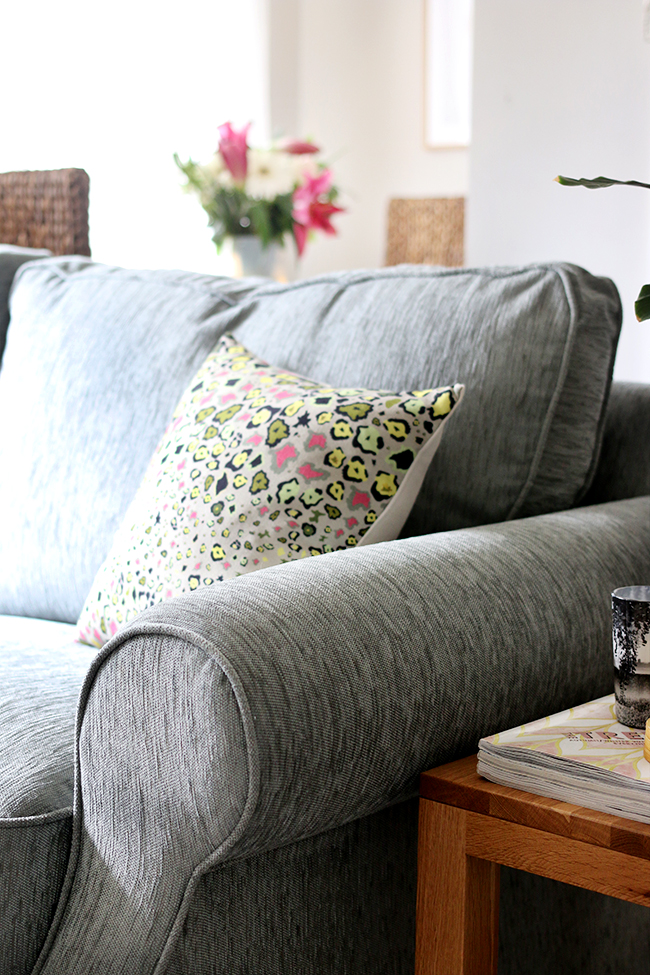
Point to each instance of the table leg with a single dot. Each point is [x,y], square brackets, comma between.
[457,898]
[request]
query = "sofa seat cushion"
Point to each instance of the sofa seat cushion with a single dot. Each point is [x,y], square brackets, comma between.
[534,347]
[96,360]
[41,673]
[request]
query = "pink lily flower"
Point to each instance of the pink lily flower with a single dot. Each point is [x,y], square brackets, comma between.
[300,148]
[234,150]
[310,211]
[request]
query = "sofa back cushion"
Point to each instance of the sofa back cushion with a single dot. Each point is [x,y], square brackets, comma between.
[534,347]
[96,359]
[10,260]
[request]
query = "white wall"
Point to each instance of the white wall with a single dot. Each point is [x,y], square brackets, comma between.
[360,92]
[563,86]
[116,89]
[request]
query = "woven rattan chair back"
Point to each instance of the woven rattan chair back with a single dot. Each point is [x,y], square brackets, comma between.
[426,231]
[45,209]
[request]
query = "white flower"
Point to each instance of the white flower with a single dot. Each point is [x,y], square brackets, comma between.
[272,172]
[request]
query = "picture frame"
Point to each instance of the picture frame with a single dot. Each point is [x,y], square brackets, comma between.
[448,48]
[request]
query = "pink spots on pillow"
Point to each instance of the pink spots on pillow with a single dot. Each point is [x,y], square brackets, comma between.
[226,398]
[308,472]
[284,453]
[361,498]
[263,509]
[340,532]
[318,440]
[351,522]
[256,440]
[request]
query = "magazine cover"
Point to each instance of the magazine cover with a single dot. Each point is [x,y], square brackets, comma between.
[588,734]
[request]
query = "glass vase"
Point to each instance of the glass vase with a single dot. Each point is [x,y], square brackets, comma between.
[251,259]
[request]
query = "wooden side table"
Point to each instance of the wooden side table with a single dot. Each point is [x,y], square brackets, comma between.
[469,826]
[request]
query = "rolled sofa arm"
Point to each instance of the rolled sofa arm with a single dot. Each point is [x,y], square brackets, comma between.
[623,469]
[273,707]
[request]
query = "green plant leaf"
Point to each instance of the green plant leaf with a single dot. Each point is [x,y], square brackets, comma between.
[642,304]
[599,182]
[261,221]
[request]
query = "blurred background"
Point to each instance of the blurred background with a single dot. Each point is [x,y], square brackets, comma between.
[557,86]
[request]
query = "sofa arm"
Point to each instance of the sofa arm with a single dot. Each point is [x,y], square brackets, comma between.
[293,700]
[623,469]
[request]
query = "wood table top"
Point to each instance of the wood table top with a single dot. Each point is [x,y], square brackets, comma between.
[459,784]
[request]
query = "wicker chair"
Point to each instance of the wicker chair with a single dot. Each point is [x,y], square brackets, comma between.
[426,231]
[45,209]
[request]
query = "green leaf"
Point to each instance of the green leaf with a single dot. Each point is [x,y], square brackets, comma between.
[642,304]
[261,221]
[599,182]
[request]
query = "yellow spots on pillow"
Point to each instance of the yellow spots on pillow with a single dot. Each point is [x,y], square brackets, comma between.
[278,431]
[341,430]
[334,458]
[384,486]
[293,408]
[262,416]
[224,415]
[398,429]
[355,470]
[442,405]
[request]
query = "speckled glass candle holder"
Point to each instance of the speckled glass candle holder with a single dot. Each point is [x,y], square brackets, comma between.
[631,638]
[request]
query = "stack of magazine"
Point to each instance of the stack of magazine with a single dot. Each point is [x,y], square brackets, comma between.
[583,756]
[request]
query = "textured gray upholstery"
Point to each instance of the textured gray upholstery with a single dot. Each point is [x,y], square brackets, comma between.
[246,756]
[116,349]
[534,346]
[10,260]
[34,857]
[268,913]
[292,701]
[624,467]
[41,673]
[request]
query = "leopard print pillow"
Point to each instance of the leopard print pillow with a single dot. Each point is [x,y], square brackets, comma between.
[260,466]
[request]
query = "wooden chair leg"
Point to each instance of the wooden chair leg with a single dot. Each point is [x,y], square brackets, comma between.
[457,899]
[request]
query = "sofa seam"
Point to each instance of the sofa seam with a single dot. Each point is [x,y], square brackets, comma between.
[41,819]
[551,410]
[131,275]
[266,290]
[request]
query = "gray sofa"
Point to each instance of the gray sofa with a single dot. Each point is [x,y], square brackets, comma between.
[229,785]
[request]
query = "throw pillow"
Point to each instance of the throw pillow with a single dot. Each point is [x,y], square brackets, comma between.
[260,466]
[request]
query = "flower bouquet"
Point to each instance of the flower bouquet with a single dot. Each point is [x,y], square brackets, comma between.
[263,193]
